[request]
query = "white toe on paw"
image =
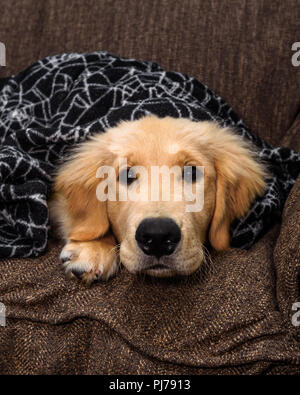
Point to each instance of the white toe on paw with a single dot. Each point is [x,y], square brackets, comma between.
[65,256]
[88,261]
[78,268]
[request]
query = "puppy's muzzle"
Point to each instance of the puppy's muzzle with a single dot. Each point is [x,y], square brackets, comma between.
[158,236]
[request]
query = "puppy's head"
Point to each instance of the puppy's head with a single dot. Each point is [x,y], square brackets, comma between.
[153,218]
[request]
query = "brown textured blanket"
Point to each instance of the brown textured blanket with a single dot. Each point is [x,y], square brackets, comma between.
[235,317]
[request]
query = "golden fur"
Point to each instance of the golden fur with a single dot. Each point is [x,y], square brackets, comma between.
[233,177]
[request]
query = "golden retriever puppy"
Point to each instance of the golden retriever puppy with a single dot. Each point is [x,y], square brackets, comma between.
[160,237]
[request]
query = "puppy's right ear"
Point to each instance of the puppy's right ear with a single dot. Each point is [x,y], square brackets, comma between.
[75,206]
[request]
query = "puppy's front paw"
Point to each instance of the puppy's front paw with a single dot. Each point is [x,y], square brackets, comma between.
[90,260]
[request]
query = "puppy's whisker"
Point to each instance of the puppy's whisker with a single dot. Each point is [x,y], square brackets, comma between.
[115,249]
[207,267]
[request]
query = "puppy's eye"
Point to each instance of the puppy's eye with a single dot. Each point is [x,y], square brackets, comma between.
[127,176]
[191,174]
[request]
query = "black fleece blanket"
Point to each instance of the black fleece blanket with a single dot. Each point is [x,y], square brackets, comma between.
[61,100]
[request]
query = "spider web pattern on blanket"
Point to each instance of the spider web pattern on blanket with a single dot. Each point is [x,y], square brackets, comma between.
[61,100]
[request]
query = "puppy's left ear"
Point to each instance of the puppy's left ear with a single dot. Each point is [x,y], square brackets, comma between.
[240,178]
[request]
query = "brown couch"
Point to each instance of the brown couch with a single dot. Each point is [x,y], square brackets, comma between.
[234,317]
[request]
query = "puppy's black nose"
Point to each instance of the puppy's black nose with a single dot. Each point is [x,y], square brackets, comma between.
[158,236]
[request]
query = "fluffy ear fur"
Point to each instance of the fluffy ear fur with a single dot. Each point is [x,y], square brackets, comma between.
[75,206]
[240,178]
